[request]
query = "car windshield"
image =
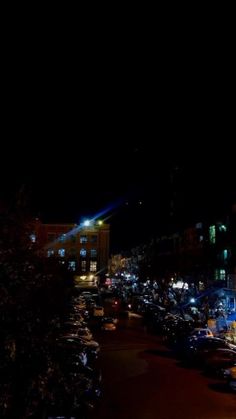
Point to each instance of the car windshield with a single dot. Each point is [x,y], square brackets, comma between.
[108,319]
[199,333]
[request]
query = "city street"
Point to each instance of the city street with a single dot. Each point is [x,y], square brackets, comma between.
[142,380]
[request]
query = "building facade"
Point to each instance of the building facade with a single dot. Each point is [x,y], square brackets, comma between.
[204,252]
[83,248]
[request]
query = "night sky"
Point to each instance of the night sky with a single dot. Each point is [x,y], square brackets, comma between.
[136,183]
[136,134]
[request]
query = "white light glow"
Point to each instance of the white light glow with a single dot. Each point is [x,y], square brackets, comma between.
[180,284]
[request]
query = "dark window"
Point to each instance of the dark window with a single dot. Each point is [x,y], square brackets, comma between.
[51,237]
[94,238]
[93,253]
[73,239]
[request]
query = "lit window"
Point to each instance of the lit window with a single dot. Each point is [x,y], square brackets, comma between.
[93,266]
[83,239]
[61,253]
[220,274]
[222,228]
[93,253]
[93,238]
[33,238]
[199,225]
[83,266]
[83,253]
[225,254]
[212,234]
[72,265]
[50,253]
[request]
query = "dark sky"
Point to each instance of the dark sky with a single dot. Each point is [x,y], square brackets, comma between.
[137,182]
[84,129]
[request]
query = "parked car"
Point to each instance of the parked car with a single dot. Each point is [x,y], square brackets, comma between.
[230,375]
[219,359]
[108,324]
[76,343]
[197,349]
[201,332]
[85,333]
[98,311]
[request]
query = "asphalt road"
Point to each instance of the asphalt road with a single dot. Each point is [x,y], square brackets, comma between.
[142,380]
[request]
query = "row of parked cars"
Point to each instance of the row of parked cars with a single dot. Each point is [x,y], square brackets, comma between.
[193,344]
[77,355]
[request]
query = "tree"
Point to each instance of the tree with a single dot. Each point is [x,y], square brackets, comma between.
[33,296]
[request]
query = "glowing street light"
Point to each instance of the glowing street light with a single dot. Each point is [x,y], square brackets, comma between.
[100,222]
[87,223]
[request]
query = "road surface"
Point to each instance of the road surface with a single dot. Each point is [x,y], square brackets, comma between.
[142,380]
